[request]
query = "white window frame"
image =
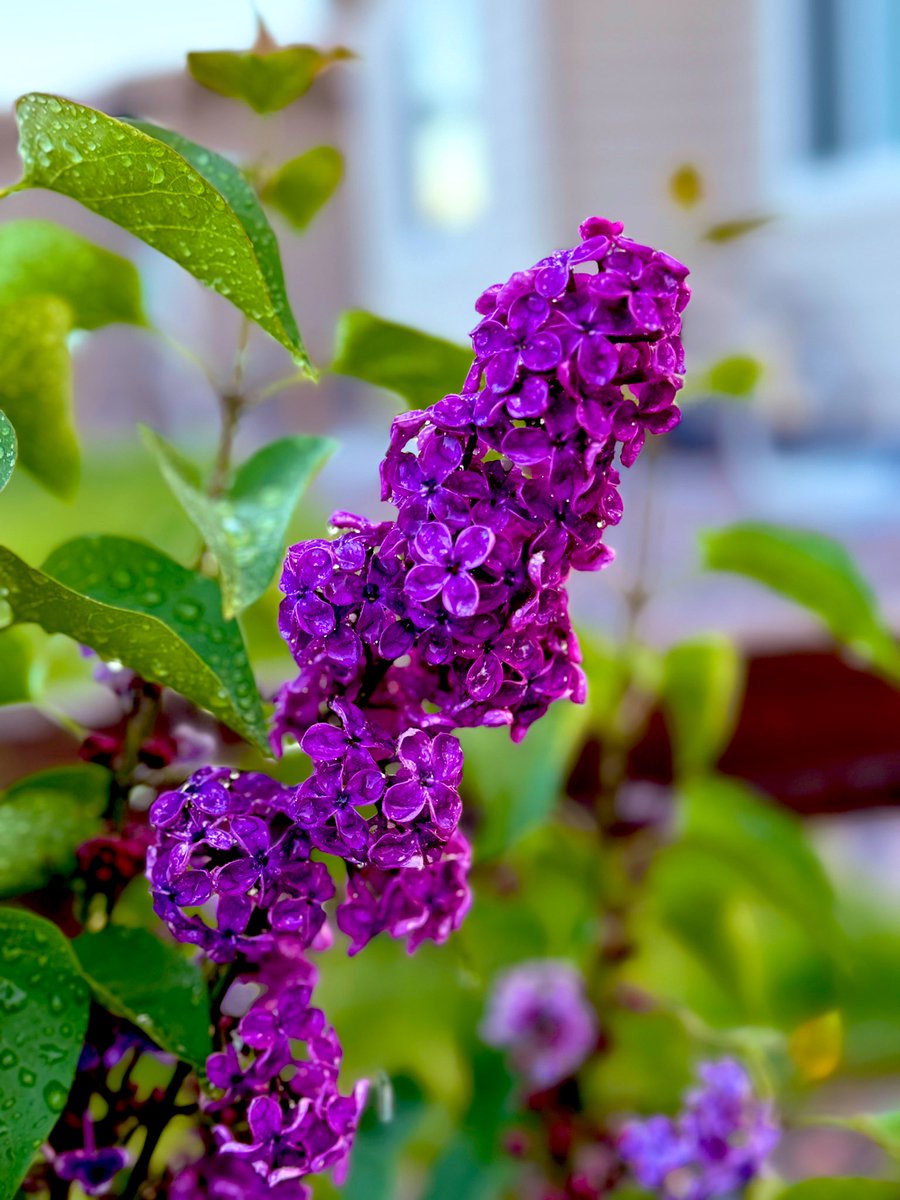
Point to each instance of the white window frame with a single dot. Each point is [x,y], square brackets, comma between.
[853,181]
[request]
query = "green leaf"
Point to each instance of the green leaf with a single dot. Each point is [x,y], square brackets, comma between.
[730,231]
[130,602]
[187,202]
[738,375]
[519,790]
[36,389]
[16,654]
[149,982]
[44,1004]
[378,1144]
[9,450]
[44,818]
[38,258]
[472,1165]
[246,528]
[765,845]
[881,1128]
[299,188]
[848,1188]
[268,77]
[814,571]
[417,366]
[702,683]
[686,186]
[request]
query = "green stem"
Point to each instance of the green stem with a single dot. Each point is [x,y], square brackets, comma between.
[155,1130]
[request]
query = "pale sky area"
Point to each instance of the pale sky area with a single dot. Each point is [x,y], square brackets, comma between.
[63,45]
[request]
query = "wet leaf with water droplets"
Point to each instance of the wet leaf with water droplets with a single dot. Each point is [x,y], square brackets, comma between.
[36,389]
[41,990]
[151,983]
[187,202]
[417,366]
[299,188]
[39,258]
[128,601]
[246,527]
[44,818]
[9,449]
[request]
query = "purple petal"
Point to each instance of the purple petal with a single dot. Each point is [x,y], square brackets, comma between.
[527,315]
[404,801]
[238,876]
[473,546]
[265,1118]
[433,543]
[531,400]
[543,352]
[447,756]
[598,360]
[490,337]
[527,445]
[500,373]
[396,640]
[460,594]
[484,677]
[323,742]
[446,808]
[425,582]
[253,833]
[192,889]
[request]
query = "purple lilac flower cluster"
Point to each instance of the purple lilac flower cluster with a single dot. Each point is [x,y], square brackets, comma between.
[456,613]
[714,1147]
[539,1013]
[281,1113]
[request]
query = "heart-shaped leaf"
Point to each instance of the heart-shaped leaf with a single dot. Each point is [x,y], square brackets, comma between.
[36,389]
[187,202]
[246,527]
[130,602]
[815,571]
[44,1005]
[268,77]
[417,366]
[299,188]
[149,982]
[39,258]
[9,450]
[44,818]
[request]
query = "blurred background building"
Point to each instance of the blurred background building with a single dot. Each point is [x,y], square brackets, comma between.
[477,135]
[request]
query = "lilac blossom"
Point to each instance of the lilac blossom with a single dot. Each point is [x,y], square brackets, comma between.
[538,1012]
[714,1147]
[452,614]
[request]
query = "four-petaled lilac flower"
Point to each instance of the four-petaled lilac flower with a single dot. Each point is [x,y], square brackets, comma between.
[447,565]
[539,1013]
[428,779]
[521,342]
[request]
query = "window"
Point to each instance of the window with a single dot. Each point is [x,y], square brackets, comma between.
[446,151]
[851,72]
